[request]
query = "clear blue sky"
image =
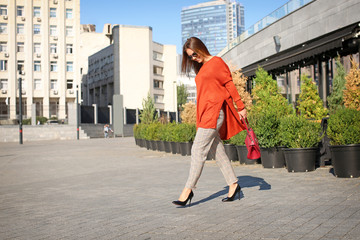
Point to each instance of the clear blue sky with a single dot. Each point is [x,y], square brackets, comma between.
[162,15]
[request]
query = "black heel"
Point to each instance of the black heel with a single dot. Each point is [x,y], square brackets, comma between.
[230,199]
[180,203]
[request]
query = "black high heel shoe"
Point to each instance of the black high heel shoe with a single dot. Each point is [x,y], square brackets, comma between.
[191,195]
[230,199]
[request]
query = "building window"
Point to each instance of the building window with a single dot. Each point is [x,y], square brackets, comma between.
[158,98]
[36,11]
[3,46]
[3,84]
[53,66]
[20,11]
[158,70]
[37,28]
[69,84]
[69,48]
[37,84]
[157,56]
[53,30]
[3,65]
[3,28]
[20,47]
[53,84]
[3,10]
[20,66]
[37,47]
[158,84]
[20,29]
[37,66]
[69,66]
[53,12]
[53,48]
[69,13]
[69,31]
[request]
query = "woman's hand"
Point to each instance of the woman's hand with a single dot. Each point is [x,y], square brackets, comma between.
[243,114]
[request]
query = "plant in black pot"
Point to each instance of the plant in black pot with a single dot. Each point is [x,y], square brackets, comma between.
[185,134]
[301,137]
[344,133]
[239,142]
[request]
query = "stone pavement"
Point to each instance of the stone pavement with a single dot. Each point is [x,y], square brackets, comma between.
[112,189]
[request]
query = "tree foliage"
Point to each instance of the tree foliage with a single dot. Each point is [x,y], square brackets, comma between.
[182,95]
[188,115]
[352,87]
[309,103]
[240,83]
[336,100]
[148,114]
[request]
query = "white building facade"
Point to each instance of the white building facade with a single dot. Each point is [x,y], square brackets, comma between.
[39,43]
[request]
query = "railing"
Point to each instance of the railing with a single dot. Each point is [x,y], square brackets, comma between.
[279,13]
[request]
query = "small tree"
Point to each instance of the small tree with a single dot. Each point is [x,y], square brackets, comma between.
[182,95]
[309,103]
[352,87]
[335,100]
[240,83]
[148,114]
[188,115]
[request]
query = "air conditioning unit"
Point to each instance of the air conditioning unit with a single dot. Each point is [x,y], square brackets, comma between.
[23,92]
[6,54]
[5,17]
[55,92]
[4,91]
[55,55]
[55,1]
[38,19]
[55,38]
[38,55]
[23,18]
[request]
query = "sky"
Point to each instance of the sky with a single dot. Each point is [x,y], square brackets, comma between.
[164,16]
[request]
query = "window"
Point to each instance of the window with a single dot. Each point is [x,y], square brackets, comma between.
[37,66]
[37,84]
[20,29]
[3,65]
[69,31]
[3,84]
[158,84]
[37,48]
[53,84]
[3,28]
[69,84]
[158,70]
[36,11]
[53,66]
[69,48]
[3,46]
[20,47]
[69,66]
[20,11]
[69,13]
[3,10]
[53,12]
[157,56]
[37,28]
[158,98]
[53,48]
[20,66]
[53,30]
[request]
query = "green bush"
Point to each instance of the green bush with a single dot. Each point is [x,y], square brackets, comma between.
[344,127]
[238,139]
[151,132]
[184,132]
[297,132]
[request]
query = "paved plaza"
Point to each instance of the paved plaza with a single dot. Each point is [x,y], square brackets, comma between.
[113,189]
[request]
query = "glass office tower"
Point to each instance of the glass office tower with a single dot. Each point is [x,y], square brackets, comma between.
[216,23]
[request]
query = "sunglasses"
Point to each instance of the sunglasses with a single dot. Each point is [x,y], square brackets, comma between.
[194,55]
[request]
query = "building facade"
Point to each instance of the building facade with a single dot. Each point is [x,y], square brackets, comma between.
[39,45]
[132,66]
[216,23]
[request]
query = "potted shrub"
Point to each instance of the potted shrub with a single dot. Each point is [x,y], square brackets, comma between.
[344,133]
[301,137]
[239,141]
[230,150]
[185,134]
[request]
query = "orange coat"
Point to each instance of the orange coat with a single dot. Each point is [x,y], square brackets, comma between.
[216,90]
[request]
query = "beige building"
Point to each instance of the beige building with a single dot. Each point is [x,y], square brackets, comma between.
[39,43]
[132,66]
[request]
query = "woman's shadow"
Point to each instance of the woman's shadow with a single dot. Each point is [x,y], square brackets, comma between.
[244,182]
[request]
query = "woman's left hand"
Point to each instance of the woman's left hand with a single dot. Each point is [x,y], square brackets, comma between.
[243,114]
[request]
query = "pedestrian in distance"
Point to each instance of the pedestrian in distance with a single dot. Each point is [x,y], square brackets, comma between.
[216,116]
[107,129]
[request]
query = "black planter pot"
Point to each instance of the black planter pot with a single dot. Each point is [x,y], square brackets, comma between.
[160,146]
[167,147]
[153,145]
[178,149]
[231,152]
[173,147]
[300,159]
[242,155]
[185,148]
[272,157]
[346,160]
[136,141]
[148,144]
[140,142]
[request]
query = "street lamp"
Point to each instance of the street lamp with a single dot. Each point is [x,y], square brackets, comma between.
[77,112]
[20,109]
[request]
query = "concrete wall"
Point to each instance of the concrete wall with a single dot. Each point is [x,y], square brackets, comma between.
[311,21]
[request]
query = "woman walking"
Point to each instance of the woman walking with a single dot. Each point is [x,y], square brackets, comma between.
[216,116]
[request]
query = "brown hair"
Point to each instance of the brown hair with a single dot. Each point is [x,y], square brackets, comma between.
[197,46]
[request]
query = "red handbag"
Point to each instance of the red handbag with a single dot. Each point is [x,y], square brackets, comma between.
[251,142]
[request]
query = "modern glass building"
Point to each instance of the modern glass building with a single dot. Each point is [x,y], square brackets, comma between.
[216,23]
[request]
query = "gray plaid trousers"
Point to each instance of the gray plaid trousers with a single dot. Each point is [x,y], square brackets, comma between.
[207,140]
